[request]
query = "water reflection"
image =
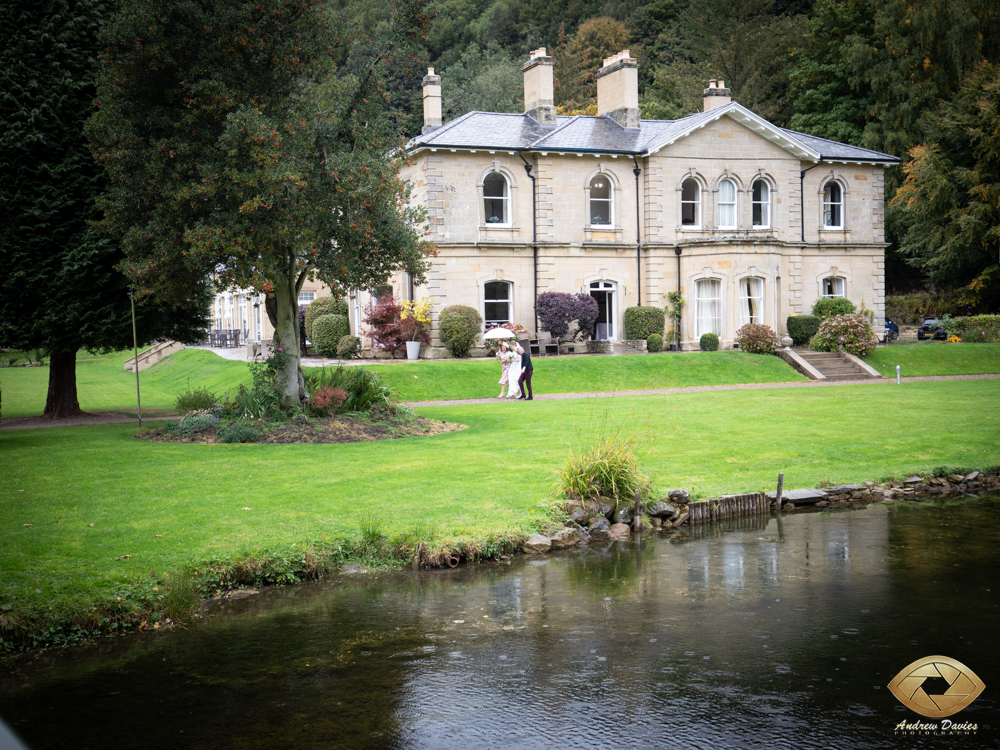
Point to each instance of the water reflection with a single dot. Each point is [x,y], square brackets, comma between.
[785,629]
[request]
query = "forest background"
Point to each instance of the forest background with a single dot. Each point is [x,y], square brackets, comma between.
[918,80]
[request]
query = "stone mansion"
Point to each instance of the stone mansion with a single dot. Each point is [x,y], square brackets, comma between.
[750,222]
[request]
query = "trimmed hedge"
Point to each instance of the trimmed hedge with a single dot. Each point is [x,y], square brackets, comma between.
[459,327]
[323,306]
[327,331]
[654,342]
[709,342]
[827,307]
[643,322]
[349,347]
[802,328]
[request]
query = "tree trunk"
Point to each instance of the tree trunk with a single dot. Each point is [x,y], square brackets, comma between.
[62,401]
[286,335]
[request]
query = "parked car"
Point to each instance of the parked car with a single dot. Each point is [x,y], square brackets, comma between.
[891,331]
[931,328]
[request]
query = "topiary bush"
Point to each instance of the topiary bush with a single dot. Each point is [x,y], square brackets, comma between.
[459,327]
[802,328]
[349,347]
[709,342]
[830,306]
[327,331]
[654,342]
[642,322]
[757,338]
[323,306]
[237,432]
[851,333]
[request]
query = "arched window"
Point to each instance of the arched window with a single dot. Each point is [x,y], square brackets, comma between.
[496,199]
[708,306]
[690,204]
[497,298]
[727,204]
[751,290]
[761,201]
[833,206]
[833,286]
[601,201]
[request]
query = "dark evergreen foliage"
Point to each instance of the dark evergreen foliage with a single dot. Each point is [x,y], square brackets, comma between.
[641,322]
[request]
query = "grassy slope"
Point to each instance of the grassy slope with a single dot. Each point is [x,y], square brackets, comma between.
[936,358]
[486,479]
[454,379]
[102,382]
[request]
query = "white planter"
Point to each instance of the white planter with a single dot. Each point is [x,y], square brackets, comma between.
[413,350]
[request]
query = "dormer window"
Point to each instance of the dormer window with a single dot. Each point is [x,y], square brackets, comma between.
[727,204]
[601,201]
[833,206]
[761,200]
[496,200]
[691,204]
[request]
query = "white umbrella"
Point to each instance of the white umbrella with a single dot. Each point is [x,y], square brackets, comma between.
[499,333]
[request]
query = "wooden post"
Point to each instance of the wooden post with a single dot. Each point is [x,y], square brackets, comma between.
[781,482]
[637,511]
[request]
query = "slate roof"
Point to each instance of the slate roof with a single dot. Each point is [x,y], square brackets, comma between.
[493,131]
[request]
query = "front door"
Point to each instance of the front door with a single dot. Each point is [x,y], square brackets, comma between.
[604,293]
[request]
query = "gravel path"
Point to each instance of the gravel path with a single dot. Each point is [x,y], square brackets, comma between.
[113,417]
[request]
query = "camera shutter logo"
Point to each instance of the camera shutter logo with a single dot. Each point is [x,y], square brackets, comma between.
[963,686]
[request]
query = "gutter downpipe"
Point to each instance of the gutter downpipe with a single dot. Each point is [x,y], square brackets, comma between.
[638,232]
[534,234]
[677,252]
[802,197]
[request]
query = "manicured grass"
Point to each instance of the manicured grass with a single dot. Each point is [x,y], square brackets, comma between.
[937,358]
[457,379]
[172,505]
[103,384]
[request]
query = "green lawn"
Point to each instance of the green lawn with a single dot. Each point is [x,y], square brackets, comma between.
[171,505]
[937,358]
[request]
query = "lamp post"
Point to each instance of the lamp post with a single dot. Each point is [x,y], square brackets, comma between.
[135,362]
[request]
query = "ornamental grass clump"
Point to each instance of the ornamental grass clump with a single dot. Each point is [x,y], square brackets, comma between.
[608,469]
[757,338]
[851,333]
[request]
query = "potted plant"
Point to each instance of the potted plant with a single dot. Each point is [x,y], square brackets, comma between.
[415,317]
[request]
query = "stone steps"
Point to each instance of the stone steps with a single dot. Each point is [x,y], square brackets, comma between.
[834,365]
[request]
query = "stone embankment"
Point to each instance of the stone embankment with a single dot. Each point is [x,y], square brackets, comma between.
[601,520]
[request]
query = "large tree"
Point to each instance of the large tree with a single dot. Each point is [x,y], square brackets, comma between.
[235,149]
[59,288]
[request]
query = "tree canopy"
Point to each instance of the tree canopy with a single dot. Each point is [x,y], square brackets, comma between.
[236,147]
[60,290]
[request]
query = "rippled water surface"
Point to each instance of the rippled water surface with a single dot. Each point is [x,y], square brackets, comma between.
[765,633]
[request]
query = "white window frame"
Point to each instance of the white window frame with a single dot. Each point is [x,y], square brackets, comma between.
[721,204]
[837,282]
[504,199]
[492,300]
[305,298]
[764,203]
[711,323]
[829,203]
[751,305]
[696,203]
[610,200]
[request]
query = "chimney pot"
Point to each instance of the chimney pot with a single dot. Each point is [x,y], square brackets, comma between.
[716,95]
[432,101]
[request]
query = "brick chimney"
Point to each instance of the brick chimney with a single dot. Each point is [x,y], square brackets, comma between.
[618,90]
[716,95]
[539,97]
[432,101]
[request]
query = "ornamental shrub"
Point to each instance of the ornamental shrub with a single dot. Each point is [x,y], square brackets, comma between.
[709,342]
[642,322]
[458,329]
[323,306]
[328,330]
[384,316]
[974,329]
[851,333]
[826,307]
[802,328]
[556,310]
[192,424]
[194,399]
[349,347]
[757,338]
[654,342]
[237,432]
